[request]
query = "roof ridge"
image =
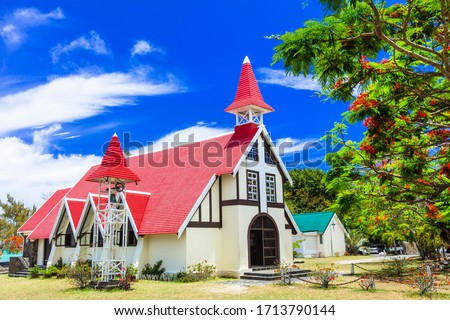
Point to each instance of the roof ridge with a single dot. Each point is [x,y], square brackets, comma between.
[182,145]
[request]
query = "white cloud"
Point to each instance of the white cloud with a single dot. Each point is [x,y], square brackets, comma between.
[41,138]
[279,77]
[198,132]
[29,171]
[75,97]
[143,47]
[92,43]
[287,146]
[13,26]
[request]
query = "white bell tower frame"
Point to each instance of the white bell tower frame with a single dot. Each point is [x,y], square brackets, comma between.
[110,223]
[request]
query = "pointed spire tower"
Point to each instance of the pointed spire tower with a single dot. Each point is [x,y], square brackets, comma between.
[248,105]
[110,228]
[113,167]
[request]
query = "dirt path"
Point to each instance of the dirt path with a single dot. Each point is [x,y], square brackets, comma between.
[377,258]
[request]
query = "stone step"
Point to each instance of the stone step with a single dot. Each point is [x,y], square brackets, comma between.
[261,278]
[19,275]
[104,284]
[272,273]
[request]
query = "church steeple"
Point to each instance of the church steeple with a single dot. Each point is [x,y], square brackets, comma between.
[113,166]
[248,104]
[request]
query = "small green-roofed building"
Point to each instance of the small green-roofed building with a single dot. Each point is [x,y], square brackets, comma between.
[323,234]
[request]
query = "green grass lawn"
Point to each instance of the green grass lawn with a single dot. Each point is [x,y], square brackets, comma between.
[216,289]
[56,289]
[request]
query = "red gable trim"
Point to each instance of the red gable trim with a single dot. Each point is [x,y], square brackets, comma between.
[71,207]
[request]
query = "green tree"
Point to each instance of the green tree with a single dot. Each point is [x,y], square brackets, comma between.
[392,64]
[13,215]
[354,241]
[308,192]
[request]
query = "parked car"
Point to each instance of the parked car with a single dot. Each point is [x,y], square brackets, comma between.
[377,248]
[364,251]
[374,250]
[395,250]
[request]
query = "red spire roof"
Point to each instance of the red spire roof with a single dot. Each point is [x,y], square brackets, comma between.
[113,165]
[248,91]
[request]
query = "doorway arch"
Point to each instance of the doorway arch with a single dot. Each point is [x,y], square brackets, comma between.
[263,242]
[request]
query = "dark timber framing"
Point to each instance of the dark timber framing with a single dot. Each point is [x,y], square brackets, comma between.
[209,224]
[289,225]
[237,185]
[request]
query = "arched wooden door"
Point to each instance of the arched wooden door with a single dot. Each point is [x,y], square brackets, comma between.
[263,244]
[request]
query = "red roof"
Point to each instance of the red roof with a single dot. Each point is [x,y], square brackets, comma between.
[75,208]
[137,204]
[113,164]
[248,91]
[44,228]
[53,202]
[175,179]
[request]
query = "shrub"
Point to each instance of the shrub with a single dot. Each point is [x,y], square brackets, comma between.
[426,281]
[51,271]
[154,271]
[325,276]
[59,264]
[196,272]
[296,245]
[395,267]
[35,272]
[367,282]
[63,272]
[81,274]
[131,271]
[125,283]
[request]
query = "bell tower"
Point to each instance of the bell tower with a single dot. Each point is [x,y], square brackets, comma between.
[110,218]
[248,105]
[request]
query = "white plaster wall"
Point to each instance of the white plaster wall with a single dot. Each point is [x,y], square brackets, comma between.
[203,244]
[285,235]
[338,238]
[228,187]
[310,246]
[165,247]
[215,202]
[230,246]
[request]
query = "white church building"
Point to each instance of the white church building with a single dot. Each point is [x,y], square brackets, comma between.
[219,199]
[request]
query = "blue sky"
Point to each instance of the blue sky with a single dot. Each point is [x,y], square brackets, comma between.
[75,72]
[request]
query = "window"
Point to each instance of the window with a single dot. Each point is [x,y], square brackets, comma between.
[99,235]
[268,156]
[131,238]
[69,240]
[321,239]
[270,188]
[252,185]
[253,153]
